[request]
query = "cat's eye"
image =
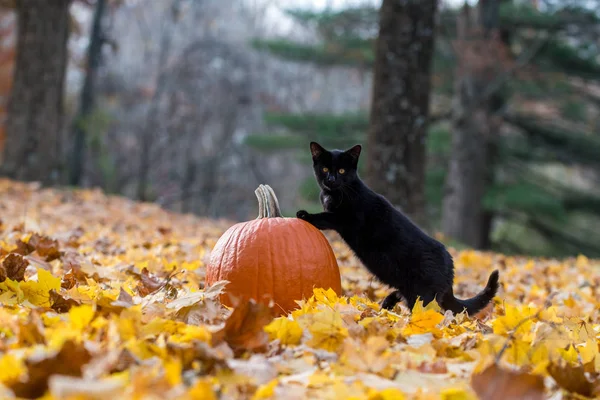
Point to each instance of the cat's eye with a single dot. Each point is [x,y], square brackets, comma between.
[342,171]
[325,169]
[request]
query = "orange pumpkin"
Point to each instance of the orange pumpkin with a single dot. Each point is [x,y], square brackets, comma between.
[273,258]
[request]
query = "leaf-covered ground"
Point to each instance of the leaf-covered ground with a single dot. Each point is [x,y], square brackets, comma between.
[102,297]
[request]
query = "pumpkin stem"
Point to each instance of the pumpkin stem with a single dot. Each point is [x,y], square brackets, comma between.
[268,205]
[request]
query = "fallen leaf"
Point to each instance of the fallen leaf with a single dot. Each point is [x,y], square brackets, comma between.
[148,283]
[287,331]
[573,379]
[497,383]
[46,247]
[327,329]
[60,303]
[38,292]
[67,361]
[423,322]
[68,280]
[437,367]
[244,329]
[15,265]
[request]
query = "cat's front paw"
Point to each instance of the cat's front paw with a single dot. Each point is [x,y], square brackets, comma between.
[302,214]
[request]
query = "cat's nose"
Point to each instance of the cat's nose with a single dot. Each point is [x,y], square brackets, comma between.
[330,179]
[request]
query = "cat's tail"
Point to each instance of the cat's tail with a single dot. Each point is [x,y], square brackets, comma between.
[474,304]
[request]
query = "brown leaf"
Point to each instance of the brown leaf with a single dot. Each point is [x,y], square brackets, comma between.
[572,379]
[110,362]
[437,367]
[67,361]
[15,266]
[46,247]
[31,331]
[496,383]
[24,248]
[124,299]
[148,283]
[209,357]
[2,273]
[164,230]
[243,329]
[68,280]
[61,304]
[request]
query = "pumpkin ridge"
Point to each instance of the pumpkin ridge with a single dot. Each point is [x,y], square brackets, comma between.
[219,270]
[237,244]
[271,260]
[302,278]
[258,266]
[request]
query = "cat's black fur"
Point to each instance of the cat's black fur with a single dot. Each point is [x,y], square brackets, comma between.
[391,246]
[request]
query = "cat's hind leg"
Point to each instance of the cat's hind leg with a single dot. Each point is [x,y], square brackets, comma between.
[391,300]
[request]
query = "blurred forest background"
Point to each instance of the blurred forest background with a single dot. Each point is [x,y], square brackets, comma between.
[481,120]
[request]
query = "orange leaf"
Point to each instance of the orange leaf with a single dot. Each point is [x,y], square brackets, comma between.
[497,383]
[243,329]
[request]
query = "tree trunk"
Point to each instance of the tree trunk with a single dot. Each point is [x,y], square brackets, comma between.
[474,127]
[154,126]
[86,103]
[35,111]
[400,103]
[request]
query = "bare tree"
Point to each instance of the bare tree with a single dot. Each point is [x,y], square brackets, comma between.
[481,55]
[35,111]
[88,94]
[154,122]
[400,103]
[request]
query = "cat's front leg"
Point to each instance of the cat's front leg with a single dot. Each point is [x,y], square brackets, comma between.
[322,221]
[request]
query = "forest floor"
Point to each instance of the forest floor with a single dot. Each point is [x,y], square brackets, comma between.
[102,297]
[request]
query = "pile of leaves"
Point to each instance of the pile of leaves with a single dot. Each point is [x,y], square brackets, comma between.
[102,297]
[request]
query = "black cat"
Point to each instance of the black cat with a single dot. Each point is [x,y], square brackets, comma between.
[391,246]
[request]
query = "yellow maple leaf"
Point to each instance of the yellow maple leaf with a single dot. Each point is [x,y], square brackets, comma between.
[539,358]
[192,332]
[173,369]
[372,356]
[327,329]
[38,293]
[387,394]
[202,390]
[11,369]
[362,303]
[456,394]
[420,308]
[10,292]
[81,316]
[423,322]
[328,297]
[569,354]
[266,391]
[287,331]
[517,352]
[319,379]
[570,302]
[589,353]
[550,315]
[517,319]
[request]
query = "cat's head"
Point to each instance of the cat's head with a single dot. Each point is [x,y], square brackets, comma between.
[335,168]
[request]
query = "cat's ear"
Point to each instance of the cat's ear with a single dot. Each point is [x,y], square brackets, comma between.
[355,151]
[316,149]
